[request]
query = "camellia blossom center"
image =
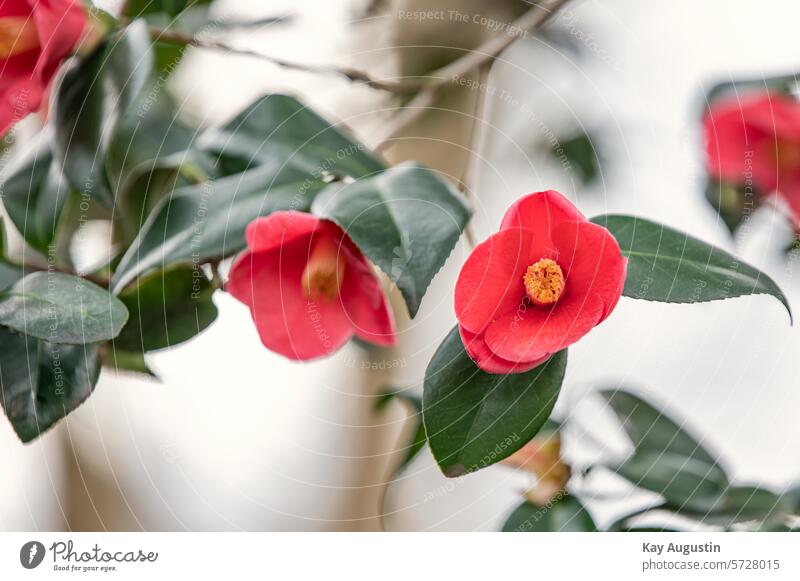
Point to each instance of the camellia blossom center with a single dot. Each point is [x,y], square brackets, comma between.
[17,35]
[544,282]
[324,272]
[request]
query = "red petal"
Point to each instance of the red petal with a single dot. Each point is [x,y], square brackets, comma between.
[280,228]
[60,24]
[490,282]
[287,321]
[487,361]
[537,332]
[592,262]
[735,145]
[365,303]
[541,212]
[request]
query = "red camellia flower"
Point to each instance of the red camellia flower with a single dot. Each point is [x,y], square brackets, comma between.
[35,36]
[755,141]
[308,287]
[538,285]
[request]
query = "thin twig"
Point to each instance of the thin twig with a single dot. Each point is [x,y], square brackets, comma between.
[529,22]
[354,75]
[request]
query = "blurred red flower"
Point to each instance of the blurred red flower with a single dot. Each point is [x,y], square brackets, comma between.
[754,141]
[308,286]
[35,37]
[538,285]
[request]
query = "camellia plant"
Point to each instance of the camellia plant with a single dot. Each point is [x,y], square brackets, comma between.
[300,221]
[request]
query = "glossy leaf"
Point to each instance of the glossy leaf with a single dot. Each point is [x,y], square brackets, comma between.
[9,271]
[475,419]
[669,266]
[281,126]
[88,102]
[208,220]
[731,202]
[166,307]
[34,192]
[667,459]
[61,308]
[406,220]
[566,514]
[42,382]
[740,504]
[122,361]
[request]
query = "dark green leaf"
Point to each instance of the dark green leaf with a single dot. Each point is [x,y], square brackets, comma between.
[731,202]
[580,153]
[61,308]
[738,504]
[666,458]
[94,92]
[741,87]
[670,266]
[34,191]
[565,514]
[475,419]
[119,360]
[137,8]
[9,272]
[406,220]
[209,220]
[280,126]
[166,307]
[43,382]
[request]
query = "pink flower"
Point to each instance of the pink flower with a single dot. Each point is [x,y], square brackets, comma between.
[538,285]
[35,37]
[755,141]
[308,287]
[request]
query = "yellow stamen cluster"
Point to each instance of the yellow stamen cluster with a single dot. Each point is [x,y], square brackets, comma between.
[544,282]
[17,35]
[324,272]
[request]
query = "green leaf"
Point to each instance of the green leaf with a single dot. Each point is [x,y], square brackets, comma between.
[280,126]
[731,202]
[9,272]
[42,382]
[666,459]
[34,191]
[580,152]
[741,87]
[61,308]
[119,360]
[208,220]
[92,95]
[566,514]
[670,266]
[166,307]
[475,419]
[739,504]
[406,220]
[137,8]
[148,137]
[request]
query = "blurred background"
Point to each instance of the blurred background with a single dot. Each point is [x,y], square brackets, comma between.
[603,106]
